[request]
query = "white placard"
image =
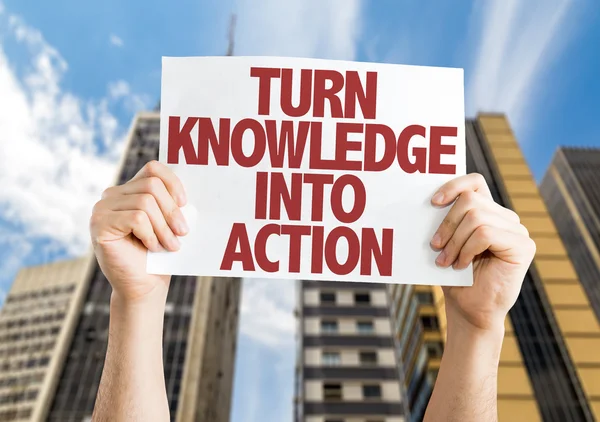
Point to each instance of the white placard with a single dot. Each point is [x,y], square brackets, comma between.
[311,169]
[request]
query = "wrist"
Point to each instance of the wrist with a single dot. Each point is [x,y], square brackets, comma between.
[474,324]
[482,344]
[463,334]
[152,302]
[137,324]
[467,333]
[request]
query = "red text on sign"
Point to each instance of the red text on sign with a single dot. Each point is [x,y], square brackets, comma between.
[363,249]
[277,140]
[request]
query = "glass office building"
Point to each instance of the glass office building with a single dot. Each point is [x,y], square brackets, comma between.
[571,190]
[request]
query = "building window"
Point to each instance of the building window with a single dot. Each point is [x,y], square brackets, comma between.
[430,323]
[327,298]
[412,312]
[417,373]
[434,349]
[362,298]
[421,401]
[25,413]
[8,415]
[364,327]
[432,376]
[331,358]
[332,391]
[329,326]
[371,391]
[425,298]
[413,342]
[368,358]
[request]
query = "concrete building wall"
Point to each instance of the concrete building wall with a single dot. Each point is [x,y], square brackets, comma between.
[347,325]
[345,298]
[348,356]
[346,347]
[36,326]
[352,390]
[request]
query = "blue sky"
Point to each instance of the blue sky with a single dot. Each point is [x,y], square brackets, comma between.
[72,75]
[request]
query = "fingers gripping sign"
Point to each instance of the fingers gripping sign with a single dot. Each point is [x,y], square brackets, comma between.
[141,215]
[477,230]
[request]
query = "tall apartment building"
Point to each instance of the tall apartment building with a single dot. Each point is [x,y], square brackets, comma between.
[200,328]
[36,323]
[347,369]
[550,364]
[54,331]
[571,189]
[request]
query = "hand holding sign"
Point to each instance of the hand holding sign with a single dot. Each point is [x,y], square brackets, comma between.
[477,230]
[141,215]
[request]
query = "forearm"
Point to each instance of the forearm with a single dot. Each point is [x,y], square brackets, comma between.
[466,386]
[132,387]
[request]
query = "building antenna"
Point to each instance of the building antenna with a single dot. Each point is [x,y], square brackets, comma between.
[231,46]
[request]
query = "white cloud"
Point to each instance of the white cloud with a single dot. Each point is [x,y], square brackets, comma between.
[116,40]
[518,41]
[118,89]
[310,28]
[121,90]
[57,151]
[267,311]
[13,249]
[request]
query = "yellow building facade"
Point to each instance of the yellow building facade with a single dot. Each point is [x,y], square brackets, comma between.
[550,361]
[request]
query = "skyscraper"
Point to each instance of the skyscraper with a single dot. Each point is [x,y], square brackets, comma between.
[571,189]
[550,365]
[36,323]
[200,328]
[347,369]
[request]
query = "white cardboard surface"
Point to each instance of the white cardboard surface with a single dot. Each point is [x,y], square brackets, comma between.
[219,196]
